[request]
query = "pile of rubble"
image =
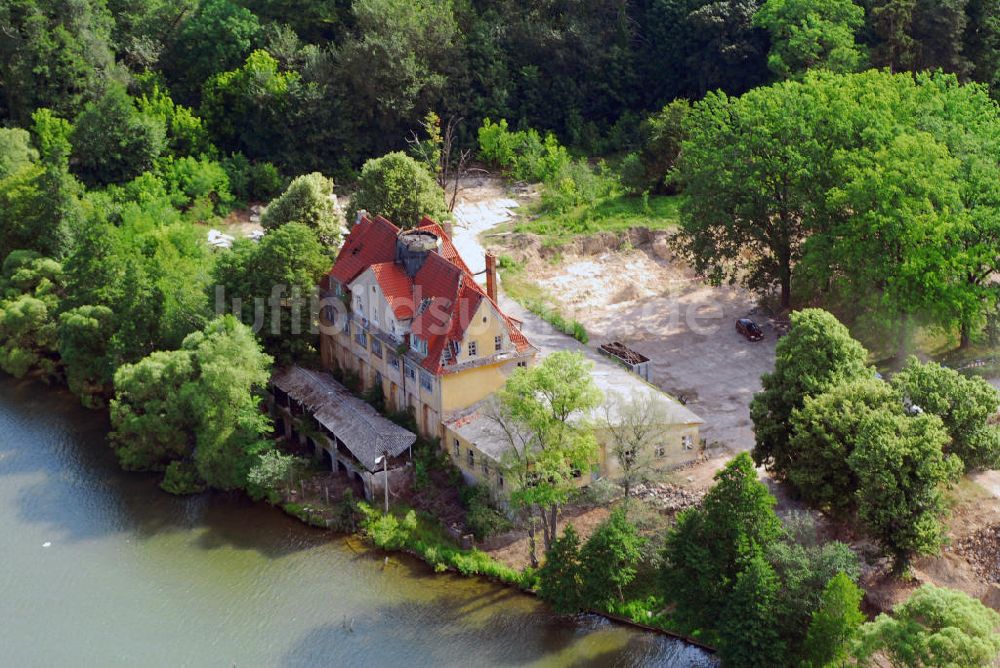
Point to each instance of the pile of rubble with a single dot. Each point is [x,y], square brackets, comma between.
[982,549]
[667,497]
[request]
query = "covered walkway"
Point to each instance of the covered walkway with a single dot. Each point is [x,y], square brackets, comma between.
[347,430]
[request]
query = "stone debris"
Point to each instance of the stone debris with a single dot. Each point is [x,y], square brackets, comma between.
[667,497]
[982,549]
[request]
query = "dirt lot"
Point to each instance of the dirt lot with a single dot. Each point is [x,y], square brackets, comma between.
[655,305]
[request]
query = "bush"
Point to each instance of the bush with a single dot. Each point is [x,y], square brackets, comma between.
[399,188]
[524,154]
[193,182]
[481,518]
[181,477]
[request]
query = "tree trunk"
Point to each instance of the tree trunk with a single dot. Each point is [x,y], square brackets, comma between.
[786,290]
[965,339]
[553,531]
[532,552]
[904,331]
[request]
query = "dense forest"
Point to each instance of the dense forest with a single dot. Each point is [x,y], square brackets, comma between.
[325,85]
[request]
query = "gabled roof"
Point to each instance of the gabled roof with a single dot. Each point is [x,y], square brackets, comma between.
[371,241]
[397,288]
[441,298]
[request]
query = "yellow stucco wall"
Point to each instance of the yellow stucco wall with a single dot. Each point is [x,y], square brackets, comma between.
[672,440]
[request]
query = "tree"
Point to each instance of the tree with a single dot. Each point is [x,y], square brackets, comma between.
[965,406]
[824,435]
[663,134]
[269,283]
[84,334]
[804,566]
[195,405]
[709,546]
[634,428]
[54,54]
[901,470]
[749,169]
[812,33]
[399,188]
[16,151]
[835,623]
[817,354]
[113,141]
[749,634]
[308,200]
[394,66]
[934,627]
[215,38]
[609,559]
[560,577]
[542,412]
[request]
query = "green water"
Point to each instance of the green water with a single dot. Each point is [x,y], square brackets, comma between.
[135,577]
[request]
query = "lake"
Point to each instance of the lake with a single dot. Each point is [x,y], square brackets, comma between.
[102,568]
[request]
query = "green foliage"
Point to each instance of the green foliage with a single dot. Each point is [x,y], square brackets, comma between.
[525,154]
[609,560]
[560,581]
[284,266]
[16,151]
[901,471]
[259,181]
[965,405]
[399,188]
[53,54]
[273,471]
[749,634]
[661,135]
[186,134]
[198,184]
[482,518]
[215,38]
[308,200]
[196,404]
[812,33]
[934,627]
[817,354]
[84,335]
[708,547]
[113,142]
[181,477]
[835,623]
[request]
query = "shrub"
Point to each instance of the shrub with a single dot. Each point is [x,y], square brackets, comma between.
[399,188]
[181,477]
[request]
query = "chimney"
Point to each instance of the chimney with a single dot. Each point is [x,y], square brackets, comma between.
[361,214]
[491,276]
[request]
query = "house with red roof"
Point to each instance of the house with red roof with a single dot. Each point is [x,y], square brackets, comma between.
[406,314]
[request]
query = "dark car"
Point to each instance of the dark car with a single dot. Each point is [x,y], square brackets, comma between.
[749,329]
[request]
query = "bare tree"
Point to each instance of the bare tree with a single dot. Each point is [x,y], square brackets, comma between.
[448,163]
[634,425]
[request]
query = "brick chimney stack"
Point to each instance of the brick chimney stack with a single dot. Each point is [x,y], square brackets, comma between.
[491,276]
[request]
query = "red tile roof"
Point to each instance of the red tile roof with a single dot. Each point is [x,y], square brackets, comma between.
[442,298]
[397,288]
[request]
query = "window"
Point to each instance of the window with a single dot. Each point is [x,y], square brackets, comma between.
[426,381]
[394,361]
[458,449]
[500,480]
[498,343]
[486,468]
[378,379]
[472,459]
[411,372]
[523,364]
[418,344]
[687,441]
[361,336]
[473,349]
[347,326]
[661,451]
[376,347]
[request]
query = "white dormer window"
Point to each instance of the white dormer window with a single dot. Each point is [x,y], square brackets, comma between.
[473,349]
[358,305]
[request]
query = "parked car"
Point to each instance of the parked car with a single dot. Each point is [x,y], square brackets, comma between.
[749,329]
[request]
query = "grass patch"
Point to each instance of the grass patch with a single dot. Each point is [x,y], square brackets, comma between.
[615,214]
